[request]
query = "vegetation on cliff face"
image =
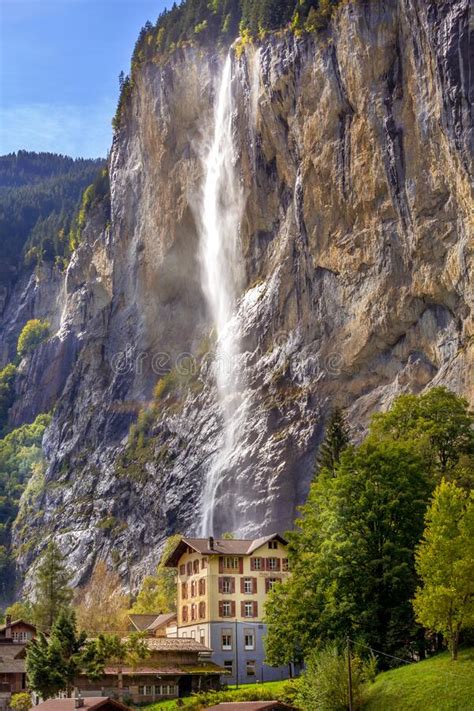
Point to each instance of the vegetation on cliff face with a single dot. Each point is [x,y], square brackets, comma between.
[39,195]
[33,333]
[218,23]
[20,456]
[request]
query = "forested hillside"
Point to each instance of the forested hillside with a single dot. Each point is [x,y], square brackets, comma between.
[39,196]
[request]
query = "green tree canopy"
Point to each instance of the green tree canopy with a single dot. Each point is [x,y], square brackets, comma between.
[158,592]
[444,602]
[336,439]
[33,333]
[52,593]
[53,663]
[352,558]
[437,422]
[7,393]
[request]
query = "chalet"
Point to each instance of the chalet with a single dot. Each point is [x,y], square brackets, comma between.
[174,668]
[13,639]
[222,587]
[18,631]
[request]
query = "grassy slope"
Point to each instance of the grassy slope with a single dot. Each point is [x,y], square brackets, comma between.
[274,686]
[437,684]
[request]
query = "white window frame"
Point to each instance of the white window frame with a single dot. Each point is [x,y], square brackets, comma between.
[257,564]
[249,646]
[248,606]
[227,647]
[248,586]
[272,564]
[226,608]
[226,586]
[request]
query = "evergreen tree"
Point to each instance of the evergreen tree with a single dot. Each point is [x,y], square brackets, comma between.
[52,594]
[336,439]
[445,563]
[43,669]
[53,664]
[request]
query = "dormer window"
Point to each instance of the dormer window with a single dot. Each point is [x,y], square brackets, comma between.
[273,545]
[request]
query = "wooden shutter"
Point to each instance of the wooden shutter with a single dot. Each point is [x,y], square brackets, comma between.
[255,585]
[232,585]
[203,587]
[242,609]
[242,585]
[267,585]
[241,565]
[232,608]
[221,564]
[278,560]
[252,563]
[221,608]
[255,608]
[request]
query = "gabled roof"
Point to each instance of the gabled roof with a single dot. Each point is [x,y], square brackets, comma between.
[174,644]
[162,621]
[89,702]
[142,622]
[219,546]
[12,658]
[17,622]
[12,650]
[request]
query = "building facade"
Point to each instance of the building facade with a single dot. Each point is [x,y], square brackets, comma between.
[222,588]
[14,635]
[173,668]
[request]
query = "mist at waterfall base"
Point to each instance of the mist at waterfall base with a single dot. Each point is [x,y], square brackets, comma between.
[221,209]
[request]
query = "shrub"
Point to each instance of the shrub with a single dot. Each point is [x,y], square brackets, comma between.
[324,685]
[7,393]
[20,701]
[34,332]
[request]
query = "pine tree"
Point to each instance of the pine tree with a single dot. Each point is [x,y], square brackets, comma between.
[336,439]
[53,664]
[52,594]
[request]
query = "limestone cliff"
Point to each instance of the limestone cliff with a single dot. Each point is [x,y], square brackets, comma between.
[353,151]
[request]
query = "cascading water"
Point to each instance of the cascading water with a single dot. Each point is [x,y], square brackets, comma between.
[221,211]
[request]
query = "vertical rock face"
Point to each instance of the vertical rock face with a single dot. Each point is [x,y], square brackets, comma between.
[353,148]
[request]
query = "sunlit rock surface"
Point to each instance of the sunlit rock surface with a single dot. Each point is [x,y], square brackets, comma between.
[353,151]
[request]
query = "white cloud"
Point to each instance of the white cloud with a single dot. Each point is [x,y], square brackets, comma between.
[78,131]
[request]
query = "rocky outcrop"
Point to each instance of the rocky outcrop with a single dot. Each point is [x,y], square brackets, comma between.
[353,149]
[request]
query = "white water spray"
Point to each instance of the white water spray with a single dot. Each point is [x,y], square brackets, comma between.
[221,211]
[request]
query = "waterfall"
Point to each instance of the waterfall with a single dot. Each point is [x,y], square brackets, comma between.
[221,273]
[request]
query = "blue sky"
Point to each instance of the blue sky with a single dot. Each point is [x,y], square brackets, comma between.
[59,67]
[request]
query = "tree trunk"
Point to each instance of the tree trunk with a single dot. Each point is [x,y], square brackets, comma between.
[454,645]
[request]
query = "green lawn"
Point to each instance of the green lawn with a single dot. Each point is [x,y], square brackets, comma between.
[274,689]
[437,684]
